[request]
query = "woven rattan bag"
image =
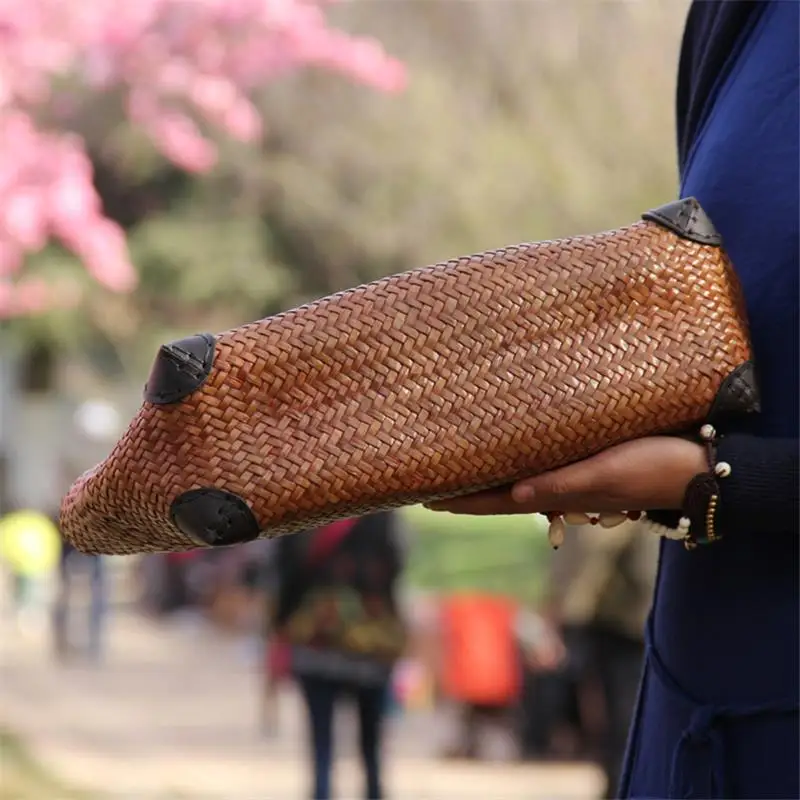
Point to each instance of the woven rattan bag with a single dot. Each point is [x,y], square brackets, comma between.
[428,384]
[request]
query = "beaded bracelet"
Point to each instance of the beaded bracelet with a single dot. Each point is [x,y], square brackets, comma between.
[699,507]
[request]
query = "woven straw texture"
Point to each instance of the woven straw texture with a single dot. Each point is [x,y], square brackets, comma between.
[432,383]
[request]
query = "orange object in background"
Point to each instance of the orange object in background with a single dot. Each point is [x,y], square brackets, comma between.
[480,663]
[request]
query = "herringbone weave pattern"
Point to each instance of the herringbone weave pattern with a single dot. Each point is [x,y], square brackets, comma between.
[439,381]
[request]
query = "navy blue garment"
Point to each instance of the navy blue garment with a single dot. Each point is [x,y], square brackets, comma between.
[713,32]
[718,707]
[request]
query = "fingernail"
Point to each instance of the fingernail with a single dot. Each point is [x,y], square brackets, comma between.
[523,494]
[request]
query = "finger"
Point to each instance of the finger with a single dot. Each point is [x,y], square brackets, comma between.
[568,488]
[489,502]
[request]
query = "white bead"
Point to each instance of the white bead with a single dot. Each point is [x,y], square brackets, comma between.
[662,530]
[684,524]
[723,469]
[612,519]
[707,432]
[576,518]
[555,533]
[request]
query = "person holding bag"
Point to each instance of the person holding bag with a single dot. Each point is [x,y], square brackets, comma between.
[717,715]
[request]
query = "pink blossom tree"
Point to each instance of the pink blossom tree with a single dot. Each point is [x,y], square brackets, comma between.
[178,65]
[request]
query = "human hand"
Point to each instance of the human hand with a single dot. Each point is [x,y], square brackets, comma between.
[650,473]
[547,655]
[542,643]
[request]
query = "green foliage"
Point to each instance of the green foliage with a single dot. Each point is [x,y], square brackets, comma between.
[507,555]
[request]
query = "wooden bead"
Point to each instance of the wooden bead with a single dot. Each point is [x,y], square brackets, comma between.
[576,518]
[612,519]
[555,533]
[722,470]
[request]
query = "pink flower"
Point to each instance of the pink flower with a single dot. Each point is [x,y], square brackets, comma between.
[173,60]
[22,219]
[105,253]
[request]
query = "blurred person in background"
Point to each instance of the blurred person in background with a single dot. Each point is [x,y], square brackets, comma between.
[178,598]
[481,673]
[338,611]
[600,592]
[74,565]
[261,574]
[551,723]
[29,548]
[277,672]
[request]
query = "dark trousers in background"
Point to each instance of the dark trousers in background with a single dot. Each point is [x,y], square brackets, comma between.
[474,717]
[321,697]
[549,702]
[614,661]
[73,566]
[619,667]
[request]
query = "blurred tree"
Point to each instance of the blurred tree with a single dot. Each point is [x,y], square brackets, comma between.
[521,121]
[174,66]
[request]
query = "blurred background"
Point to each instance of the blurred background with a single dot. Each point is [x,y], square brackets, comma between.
[417,131]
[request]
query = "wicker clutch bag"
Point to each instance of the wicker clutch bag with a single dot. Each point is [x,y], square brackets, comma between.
[432,383]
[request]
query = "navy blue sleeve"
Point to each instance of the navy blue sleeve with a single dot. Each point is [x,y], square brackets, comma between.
[761,493]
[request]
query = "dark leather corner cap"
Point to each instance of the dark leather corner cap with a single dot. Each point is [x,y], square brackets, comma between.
[214,518]
[738,395]
[180,368]
[687,219]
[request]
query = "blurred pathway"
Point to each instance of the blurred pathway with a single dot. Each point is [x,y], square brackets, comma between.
[176,710]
